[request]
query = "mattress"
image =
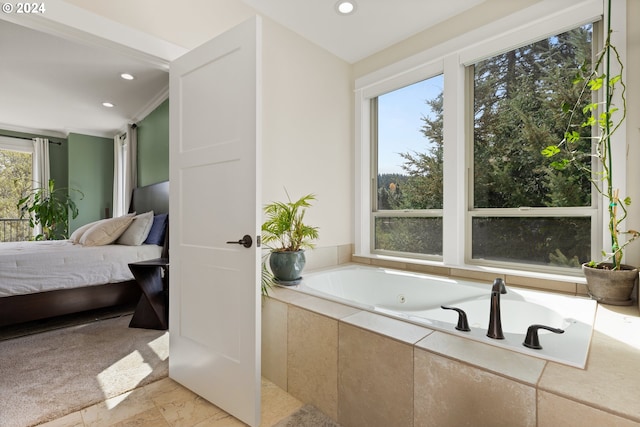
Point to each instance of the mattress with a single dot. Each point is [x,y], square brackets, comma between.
[31,267]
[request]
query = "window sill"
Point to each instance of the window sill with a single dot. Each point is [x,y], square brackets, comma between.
[562,283]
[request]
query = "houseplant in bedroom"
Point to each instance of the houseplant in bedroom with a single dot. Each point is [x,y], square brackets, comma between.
[49,207]
[287,236]
[608,281]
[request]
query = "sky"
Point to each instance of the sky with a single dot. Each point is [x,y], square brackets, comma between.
[399,123]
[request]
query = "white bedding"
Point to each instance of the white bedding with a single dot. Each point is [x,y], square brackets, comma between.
[30,267]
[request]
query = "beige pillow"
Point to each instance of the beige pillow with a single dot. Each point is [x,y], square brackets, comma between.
[138,230]
[106,231]
[77,234]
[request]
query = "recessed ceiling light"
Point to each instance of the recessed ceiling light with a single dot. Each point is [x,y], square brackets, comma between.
[108,104]
[344,7]
[127,76]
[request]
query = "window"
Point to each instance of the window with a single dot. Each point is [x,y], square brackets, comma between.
[15,181]
[407,212]
[474,190]
[523,211]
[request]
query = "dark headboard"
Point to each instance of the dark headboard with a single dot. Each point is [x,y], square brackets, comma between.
[154,197]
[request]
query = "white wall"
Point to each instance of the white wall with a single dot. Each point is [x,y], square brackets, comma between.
[307,143]
[633,124]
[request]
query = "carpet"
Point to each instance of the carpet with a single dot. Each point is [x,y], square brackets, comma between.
[307,416]
[48,375]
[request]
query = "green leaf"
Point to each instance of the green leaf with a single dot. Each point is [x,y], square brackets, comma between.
[589,107]
[589,122]
[560,165]
[566,107]
[614,80]
[627,201]
[551,150]
[595,83]
[572,136]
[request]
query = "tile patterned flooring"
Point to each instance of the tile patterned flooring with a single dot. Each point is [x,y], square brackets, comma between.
[166,403]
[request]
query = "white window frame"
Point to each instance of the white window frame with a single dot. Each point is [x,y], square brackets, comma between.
[451,58]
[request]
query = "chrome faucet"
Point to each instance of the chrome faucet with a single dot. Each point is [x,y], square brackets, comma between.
[495,323]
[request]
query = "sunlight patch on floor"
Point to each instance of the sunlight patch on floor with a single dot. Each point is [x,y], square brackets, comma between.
[160,347]
[130,370]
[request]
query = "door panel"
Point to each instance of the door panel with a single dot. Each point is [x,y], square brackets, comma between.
[214,319]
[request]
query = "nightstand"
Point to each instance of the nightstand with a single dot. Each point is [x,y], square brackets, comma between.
[152,311]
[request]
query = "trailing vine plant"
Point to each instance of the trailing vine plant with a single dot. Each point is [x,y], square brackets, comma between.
[604,116]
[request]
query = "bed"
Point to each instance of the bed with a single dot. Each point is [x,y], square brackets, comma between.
[60,293]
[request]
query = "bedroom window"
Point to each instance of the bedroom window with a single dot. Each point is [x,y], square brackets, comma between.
[522,211]
[15,180]
[407,141]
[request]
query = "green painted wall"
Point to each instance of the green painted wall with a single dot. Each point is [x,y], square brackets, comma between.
[90,171]
[59,164]
[153,146]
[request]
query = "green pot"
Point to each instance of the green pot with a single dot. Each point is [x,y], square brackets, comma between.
[287,266]
[613,287]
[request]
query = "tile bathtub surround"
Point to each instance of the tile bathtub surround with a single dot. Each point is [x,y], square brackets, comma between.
[538,391]
[274,341]
[376,379]
[556,411]
[451,393]
[612,378]
[313,359]
[515,366]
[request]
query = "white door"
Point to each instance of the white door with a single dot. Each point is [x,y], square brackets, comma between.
[214,318]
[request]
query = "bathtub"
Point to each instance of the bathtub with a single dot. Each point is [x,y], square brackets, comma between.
[417,298]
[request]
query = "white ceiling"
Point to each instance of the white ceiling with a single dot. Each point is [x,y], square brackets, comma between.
[56,86]
[375,25]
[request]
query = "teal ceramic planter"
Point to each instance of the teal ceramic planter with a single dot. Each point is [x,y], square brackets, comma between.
[287,267]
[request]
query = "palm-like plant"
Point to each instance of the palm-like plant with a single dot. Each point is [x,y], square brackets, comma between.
[284,229]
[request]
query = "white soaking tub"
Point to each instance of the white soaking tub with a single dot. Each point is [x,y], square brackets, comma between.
[418,298]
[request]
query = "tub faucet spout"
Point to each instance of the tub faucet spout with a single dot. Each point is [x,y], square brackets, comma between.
[495,322]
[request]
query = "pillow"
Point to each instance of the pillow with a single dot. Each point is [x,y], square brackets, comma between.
[138,230]
[156,234]
[106,231]
[77,234]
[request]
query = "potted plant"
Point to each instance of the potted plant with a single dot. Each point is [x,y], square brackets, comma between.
[49,207]
[608,281]
[287,236]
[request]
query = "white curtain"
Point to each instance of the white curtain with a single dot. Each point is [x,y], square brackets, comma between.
[125,170]
[41,172]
